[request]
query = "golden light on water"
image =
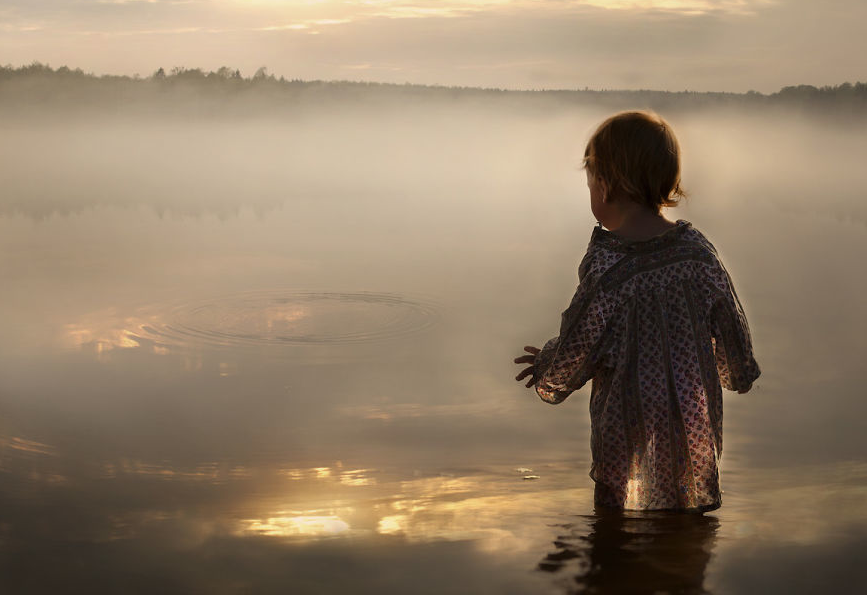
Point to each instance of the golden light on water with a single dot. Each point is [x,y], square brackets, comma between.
[632,487]
[26,446]
[358,477]
[277,317]
[103,339]
[489,509]
[108,330]
[365,502]
[214,472]
[303,526]
[391,525]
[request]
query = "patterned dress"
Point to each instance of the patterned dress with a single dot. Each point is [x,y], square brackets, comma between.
[658,327]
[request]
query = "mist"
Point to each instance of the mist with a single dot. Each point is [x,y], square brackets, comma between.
[219,313]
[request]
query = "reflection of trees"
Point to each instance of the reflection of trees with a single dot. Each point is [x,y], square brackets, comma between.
[626,553]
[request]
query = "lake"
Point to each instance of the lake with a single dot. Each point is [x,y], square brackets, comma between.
[256,355]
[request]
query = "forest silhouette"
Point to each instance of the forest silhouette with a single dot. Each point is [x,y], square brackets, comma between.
[226,90]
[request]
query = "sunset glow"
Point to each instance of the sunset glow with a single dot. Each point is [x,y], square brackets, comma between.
[733,45]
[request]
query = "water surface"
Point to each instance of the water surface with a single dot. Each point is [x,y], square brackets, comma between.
[263,355]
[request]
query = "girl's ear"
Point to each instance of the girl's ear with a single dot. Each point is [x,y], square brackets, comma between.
[603,187]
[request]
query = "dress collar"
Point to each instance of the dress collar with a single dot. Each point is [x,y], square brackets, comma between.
[611,240]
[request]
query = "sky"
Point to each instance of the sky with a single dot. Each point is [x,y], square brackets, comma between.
[697,45]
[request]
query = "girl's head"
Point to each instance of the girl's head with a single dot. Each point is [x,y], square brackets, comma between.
[636,154]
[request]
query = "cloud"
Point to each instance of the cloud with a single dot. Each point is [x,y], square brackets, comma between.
[732,45]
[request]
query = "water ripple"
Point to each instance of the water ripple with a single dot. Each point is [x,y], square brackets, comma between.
[293,318]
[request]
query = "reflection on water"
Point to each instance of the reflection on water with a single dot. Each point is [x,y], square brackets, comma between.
[634,553]
[178,404]
[490,527]
[291,317]
[283,526]
[259,318]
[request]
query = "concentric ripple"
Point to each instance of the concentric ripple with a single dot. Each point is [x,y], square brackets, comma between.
[294,318]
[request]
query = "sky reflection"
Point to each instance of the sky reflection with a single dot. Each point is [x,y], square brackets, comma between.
[508,523]
[321,377]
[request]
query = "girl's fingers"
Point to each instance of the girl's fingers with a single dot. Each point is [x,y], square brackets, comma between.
[524,373]
[531,369]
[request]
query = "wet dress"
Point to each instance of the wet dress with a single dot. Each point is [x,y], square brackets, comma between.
[657,325]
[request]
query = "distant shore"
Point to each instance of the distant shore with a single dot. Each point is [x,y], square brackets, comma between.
[226,91]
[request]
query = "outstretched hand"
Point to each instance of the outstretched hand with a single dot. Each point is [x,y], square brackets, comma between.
[529,370]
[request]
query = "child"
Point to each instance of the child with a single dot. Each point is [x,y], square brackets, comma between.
[657,325]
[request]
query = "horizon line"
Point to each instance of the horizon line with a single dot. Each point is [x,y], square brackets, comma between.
[176,70]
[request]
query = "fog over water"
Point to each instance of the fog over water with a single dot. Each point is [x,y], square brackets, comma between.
[250,351]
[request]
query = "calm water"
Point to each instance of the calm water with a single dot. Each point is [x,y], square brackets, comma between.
[272,356]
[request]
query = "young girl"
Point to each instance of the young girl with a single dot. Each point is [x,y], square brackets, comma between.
[655,323]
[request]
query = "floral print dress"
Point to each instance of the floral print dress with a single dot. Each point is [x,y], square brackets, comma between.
[658,327]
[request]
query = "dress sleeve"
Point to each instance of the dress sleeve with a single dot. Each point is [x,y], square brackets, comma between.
[569,360]
[733,349]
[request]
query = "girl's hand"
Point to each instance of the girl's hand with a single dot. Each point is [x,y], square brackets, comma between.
[530,370]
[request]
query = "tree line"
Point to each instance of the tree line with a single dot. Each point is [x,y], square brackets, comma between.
[38,84]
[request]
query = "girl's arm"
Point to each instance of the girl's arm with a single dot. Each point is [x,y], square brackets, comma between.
[736,366]
[569,360]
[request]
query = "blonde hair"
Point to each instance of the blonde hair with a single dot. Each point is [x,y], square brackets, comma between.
[637,153]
